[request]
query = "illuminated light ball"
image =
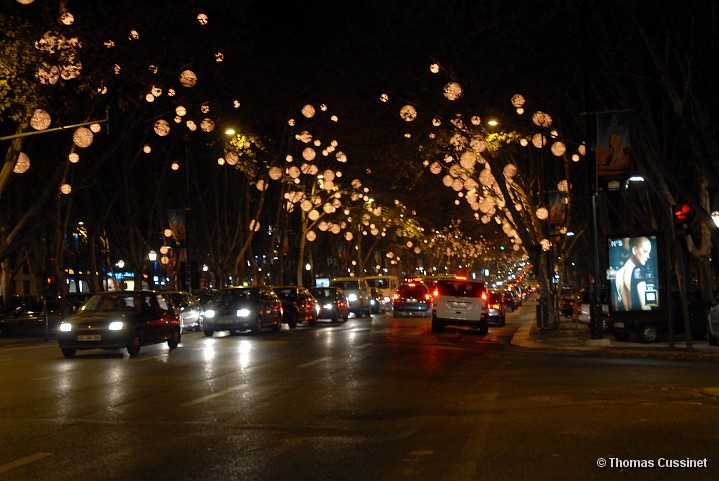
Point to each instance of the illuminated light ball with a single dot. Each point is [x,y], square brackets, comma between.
[384,98]
[434,68]
[314,214]
[486,178]
[22,164]
[478,143]
[207,125]
[341,157]
[191,125]
[523,142]
[509,171]
[167,233]
[25,2]
[175,166]
[452,91]
[205,108]
[294,172]
[456,202]
[471,185]
[156,91]
[542,213]
[476,120]
[457,185]
[467,160]
[317,142]
[236,104]
[328,185]
[575,157]
[188,78]
[153,68]
[541,119]
[308,111]
[177,119]
[553,134]
[164,260]
[261,185]
[219,57]
[520,111]
[485,219]
[306,205]
[82,137]
[334,118]
[162,127]
[95,128]
[335,229]
[73,158]
[518,207]
[275,173]
[309,154]
[232,158]
[220,161]
[146,148]
[171,92]
[102,90]
[348,236]
[517,100]
[435,168]
[117,69]
[181,110]
[328,174]
[254,225]
[539,140]
[447,180]
[582,149]
[563,185]
[408,113]
[291,122]
[202,19]
[134,35]
[65,189]
[417,250]
[149,98]
[328,208]
[409,244]
[311,236]
[306,168]
[40,119]
[558,148]
[546,245]
[109,44]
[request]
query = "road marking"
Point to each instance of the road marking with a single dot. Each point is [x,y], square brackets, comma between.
[4,468]
[212,396]
[316,361]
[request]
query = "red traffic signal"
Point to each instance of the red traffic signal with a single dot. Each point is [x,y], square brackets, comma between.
[683,212]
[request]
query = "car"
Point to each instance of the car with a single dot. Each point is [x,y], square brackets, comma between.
[582,305]
[510,302]
[567,298]
[358,293]
[383,288]
[75,300]
[496,310]
[117,320]
[298,305]
[238,309]
[412,299]
[29,319]
[332,302]
[189,307]
[460,302]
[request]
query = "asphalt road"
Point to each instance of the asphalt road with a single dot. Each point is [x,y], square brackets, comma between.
[368,400]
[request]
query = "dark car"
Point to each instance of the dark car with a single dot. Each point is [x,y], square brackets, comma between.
[189,307]
[298,305]
[237,309]
[332,302]
[496,309]
[117,320]
[510,302]
[412,299]
[29,319]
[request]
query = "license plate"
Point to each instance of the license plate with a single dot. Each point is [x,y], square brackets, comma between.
[89,337]
[459,305]
[619,325]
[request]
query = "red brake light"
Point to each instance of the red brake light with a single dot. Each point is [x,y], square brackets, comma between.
[428,297]
[435,293]
[461,278]
[484,295]
[411,284]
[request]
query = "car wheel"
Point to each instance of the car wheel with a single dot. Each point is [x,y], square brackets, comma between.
[208,332]
[437,325]
[345,318]
[292,319]
[133,347]
[68,352]
[648,333]
[174,339]
[313,319]
[483,329]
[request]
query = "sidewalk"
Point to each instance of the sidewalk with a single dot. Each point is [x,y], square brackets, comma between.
[570,337]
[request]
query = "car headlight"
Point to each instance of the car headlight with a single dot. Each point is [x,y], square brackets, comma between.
[352,297]
[116,325]
[209,313]
[65,327]
[328,306]
[243,312]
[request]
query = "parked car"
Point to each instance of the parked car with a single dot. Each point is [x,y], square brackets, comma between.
[298,305]
[460,302]
[582,304]
[567,297]
[189,307]
[412,299]
[332,302]
[116,320]
[495,306]
[358,294]
[510,302]
[29,319]
[237,309]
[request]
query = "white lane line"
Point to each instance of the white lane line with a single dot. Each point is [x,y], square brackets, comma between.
[4,468]
[316,361]
[212,396]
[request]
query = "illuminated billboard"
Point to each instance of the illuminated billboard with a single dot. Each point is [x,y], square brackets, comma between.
[633,273]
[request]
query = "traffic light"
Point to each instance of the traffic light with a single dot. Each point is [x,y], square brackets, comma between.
[682,214]
[683,217]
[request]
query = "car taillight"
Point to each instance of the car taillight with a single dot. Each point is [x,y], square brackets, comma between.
[484,295]
[427,297]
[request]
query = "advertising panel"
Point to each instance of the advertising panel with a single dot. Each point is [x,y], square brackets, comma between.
[633,274]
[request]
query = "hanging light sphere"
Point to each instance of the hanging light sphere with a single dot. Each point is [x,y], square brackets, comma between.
[162,127]
[164,260]
[408,113]
[275,173]
[435,168]
[181,111]
[313,215]
[188,78]
[558,148]
[308,111]
[542,213]
[202,19]
[452,91]
[348,236]
[311,235]
[74,158]
[232,158]
[40,120]
[309,154]
[254,225]
[146,149]
[541,119]
[65,189]
[175,166]
[539,140]
[23,163]
[95,128]
[261,185]
[207,125]
[517,100]
[82,137]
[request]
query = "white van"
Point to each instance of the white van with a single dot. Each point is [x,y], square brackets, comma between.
[384,288]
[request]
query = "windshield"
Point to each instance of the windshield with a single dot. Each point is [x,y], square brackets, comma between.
[347,285]
[460,289]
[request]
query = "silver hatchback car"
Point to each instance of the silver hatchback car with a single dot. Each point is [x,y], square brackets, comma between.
[460,302]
